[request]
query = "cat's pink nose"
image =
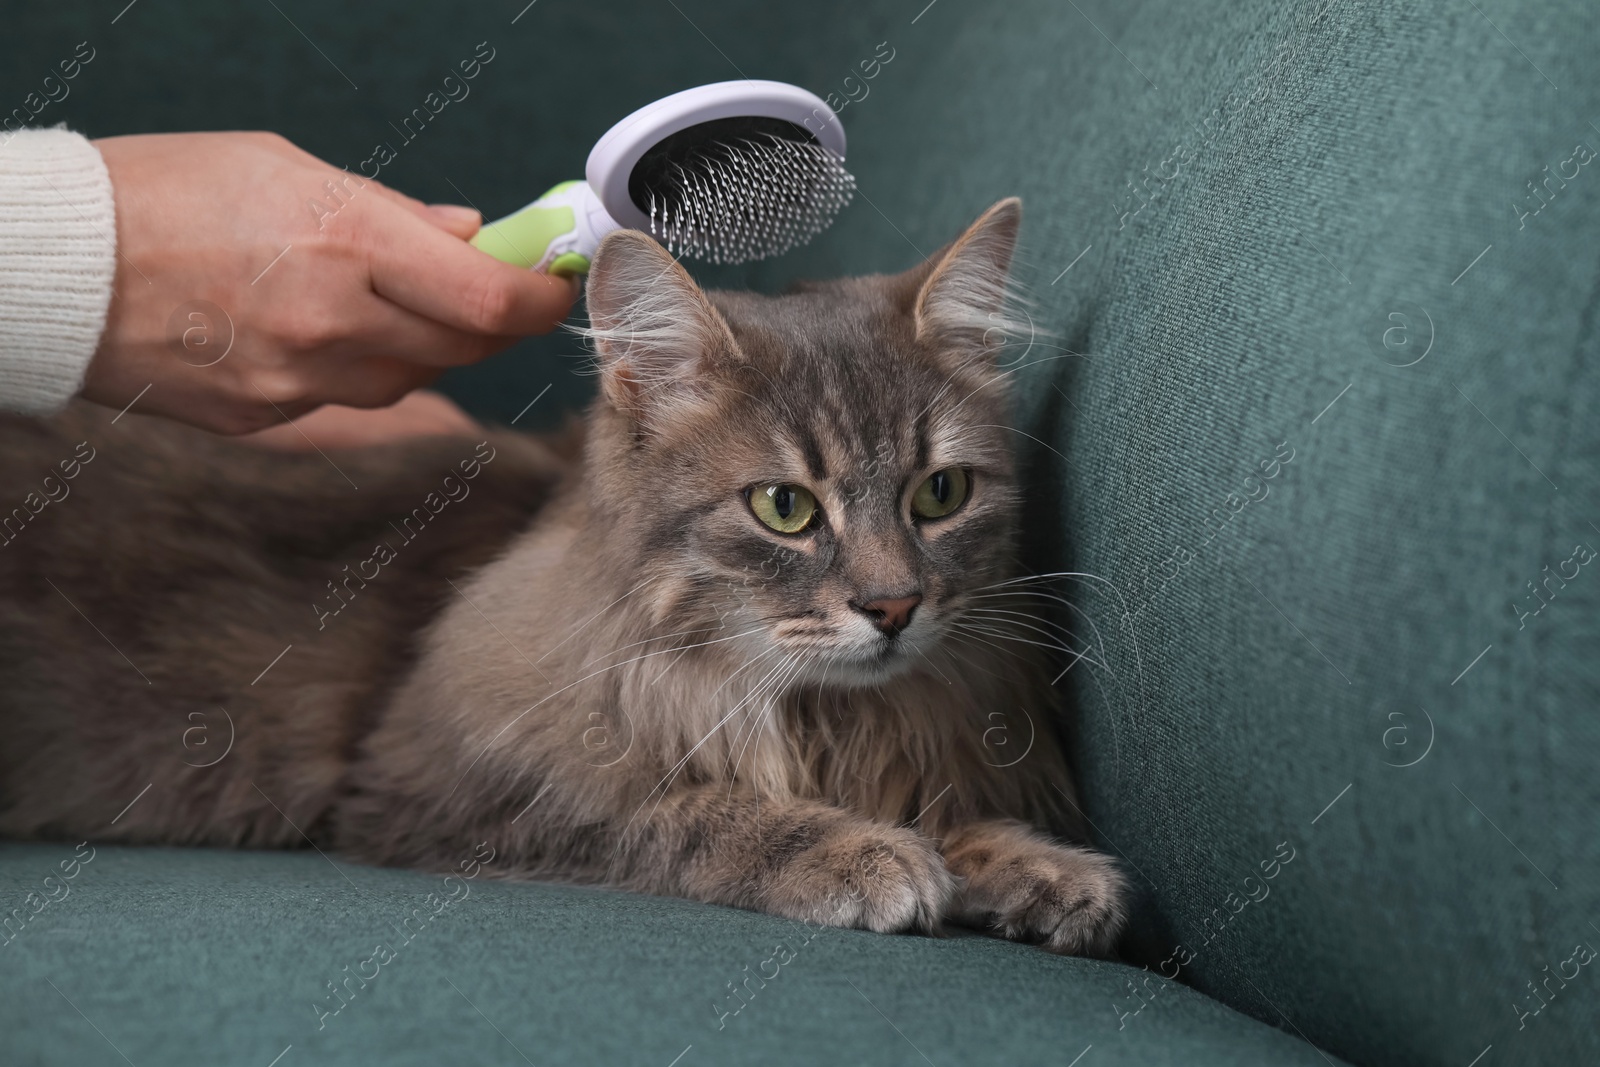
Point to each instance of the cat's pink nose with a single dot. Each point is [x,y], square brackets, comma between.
[890,614]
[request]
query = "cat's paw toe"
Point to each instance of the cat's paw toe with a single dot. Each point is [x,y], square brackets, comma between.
[1067,900]
[880,878]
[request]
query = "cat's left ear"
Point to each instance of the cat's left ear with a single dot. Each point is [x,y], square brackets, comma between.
[963,300]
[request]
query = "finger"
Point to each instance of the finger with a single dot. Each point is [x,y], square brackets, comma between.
[288,436]
[435,275]
[454,219]
[372,381]
[426,411]
[387,329]
[418,414]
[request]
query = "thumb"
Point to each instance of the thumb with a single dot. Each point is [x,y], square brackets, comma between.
[421,268]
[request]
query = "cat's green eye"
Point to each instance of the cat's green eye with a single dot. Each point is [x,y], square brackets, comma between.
[940,494]
[788,509]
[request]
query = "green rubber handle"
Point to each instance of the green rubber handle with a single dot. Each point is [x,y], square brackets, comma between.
[549,234]
[522,238]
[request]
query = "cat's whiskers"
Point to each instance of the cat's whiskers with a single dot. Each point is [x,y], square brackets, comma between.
[1025,433]
[985,357]
[829,658]
[748,702]
[1016,591]
[982,634]
[1021,585]
[1036,623]
[678,648]
[949,384]
[932,664]
[997,628]
[1025,584]
[1043,595]
[1027,579]
[974,641]
[1001,374]
[581,626]
[997,619]
[724,685]
[657,637]
[1076,654]
[949,643]
[1010,601]
[763,715]
[548,696]
[666,782]
[732,761]
[1053,634]
[1009,598]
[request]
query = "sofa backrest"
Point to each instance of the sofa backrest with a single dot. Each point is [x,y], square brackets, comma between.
[1314,428]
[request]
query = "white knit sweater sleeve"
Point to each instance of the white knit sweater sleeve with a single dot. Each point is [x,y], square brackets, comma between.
[57,259]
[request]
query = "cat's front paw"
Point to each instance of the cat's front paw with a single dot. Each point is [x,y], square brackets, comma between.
[1018,884]
[866,875]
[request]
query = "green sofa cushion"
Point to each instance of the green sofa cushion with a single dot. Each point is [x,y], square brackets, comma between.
[171,956]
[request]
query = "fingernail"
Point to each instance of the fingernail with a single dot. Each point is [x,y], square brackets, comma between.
[455,212]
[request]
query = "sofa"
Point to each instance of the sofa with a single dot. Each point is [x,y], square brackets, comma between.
[1309,445]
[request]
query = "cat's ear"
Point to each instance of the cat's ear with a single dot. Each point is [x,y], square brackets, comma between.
[657,335]
[963,298]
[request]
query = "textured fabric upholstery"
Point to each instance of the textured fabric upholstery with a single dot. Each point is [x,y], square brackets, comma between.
[1306,410]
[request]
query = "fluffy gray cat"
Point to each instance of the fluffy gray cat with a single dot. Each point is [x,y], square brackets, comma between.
[738,640]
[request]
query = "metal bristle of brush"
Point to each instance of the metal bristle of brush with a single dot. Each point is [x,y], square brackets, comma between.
[735,190]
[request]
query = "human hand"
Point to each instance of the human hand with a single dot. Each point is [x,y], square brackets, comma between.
[355,306]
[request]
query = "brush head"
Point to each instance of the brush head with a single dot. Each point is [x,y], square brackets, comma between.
[727,173]
[741,191]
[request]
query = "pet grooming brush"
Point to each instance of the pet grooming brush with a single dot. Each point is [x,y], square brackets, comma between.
[727,173]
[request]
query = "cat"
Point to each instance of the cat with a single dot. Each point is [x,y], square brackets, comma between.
[740,637]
